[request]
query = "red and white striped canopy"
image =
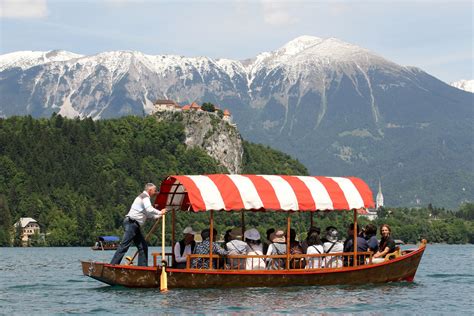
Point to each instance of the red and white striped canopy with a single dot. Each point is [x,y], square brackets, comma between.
[264,192]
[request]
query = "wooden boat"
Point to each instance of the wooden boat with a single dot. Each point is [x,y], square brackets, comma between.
[106,243]
[262,193]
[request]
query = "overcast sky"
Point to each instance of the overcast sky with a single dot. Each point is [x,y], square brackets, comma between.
[436,36]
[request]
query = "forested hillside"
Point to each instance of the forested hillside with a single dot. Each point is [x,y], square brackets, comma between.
[77,178]
[437,225]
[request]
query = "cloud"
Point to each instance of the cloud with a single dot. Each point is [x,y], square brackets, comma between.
[23,9]
[277,13]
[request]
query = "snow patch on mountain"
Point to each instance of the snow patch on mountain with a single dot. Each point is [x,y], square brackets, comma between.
[28,59]
[466,85]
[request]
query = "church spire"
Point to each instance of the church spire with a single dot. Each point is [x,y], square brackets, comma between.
[379,198]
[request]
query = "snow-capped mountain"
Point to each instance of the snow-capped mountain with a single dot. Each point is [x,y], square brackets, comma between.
[339,108]
[466,85]
[28,59]
[71,77]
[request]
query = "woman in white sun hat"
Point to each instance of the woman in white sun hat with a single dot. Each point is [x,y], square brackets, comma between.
[277,247]
[333,245]
[252,238]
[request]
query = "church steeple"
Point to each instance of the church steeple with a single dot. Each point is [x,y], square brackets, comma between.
[379,198]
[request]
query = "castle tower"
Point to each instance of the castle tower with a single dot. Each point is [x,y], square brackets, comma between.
[227,117]
[379,198]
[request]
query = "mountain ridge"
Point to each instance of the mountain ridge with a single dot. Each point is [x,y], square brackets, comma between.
[339,108]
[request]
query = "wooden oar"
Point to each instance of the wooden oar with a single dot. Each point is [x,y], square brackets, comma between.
[147,237]
[163,279]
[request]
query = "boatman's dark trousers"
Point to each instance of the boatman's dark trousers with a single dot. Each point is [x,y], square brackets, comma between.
[132,234]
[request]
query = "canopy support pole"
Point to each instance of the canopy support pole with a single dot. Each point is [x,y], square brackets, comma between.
[354,242]
[312,220]
[173,222]
[211,238]
[288,227]
[242,223]
[173,231]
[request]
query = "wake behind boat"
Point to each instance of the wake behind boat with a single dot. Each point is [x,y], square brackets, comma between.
[263,193]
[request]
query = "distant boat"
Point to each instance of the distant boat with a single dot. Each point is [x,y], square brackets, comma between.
[106,243]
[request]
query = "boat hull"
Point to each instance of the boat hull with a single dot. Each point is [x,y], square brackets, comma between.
[104,248]
[402,268]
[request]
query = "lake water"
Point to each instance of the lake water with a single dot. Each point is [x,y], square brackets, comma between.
[50,281]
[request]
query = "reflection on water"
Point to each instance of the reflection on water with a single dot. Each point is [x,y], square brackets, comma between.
[50,281]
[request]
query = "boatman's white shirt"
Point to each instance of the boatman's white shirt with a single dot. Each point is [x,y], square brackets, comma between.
[141,209]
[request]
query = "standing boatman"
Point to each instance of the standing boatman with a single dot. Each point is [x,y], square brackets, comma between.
[140,210]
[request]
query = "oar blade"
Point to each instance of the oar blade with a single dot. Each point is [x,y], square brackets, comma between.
[163,280]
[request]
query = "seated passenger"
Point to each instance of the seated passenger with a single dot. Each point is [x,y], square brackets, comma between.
[267,243]
[183,248]
[296,249]
[277,247]
[203,248]
[227,238]
[362,246]
[333,245]
[386,246]
[370,234]
[312,229]
[323,236]
[252,238]
[314,247]
[236,247]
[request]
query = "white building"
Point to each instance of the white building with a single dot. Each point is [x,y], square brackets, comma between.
[165,105]
[29,227]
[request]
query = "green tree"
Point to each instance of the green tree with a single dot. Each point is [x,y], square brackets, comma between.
[17,242]
[208,107]
[6,224]
[466,211]
[37,240]
[86,226]
[62,230]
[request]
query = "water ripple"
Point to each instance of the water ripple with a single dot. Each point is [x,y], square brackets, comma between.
[449,275]
[48,281]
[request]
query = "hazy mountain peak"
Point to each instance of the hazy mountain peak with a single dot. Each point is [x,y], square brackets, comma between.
[299,44]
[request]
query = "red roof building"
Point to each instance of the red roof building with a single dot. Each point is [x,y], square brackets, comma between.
[195,106]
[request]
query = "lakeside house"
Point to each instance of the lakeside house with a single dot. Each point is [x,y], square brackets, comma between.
[29,227]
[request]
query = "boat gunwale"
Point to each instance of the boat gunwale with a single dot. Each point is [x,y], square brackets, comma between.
[411,253]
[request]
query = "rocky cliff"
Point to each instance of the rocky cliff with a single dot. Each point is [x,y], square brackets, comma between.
[206,130]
